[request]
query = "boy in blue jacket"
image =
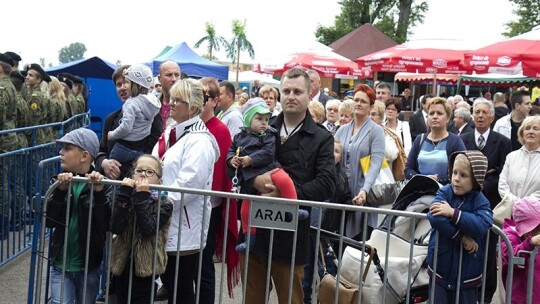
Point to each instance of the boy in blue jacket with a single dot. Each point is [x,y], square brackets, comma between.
[462,216]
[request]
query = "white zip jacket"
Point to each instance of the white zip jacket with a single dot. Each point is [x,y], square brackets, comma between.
[503,126]
[189,164]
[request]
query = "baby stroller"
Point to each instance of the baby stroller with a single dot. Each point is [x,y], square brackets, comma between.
[404,235]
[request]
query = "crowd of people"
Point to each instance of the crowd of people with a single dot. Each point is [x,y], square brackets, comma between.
[296,143]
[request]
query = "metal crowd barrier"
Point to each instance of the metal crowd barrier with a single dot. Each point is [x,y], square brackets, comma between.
[264,215]
[21,181]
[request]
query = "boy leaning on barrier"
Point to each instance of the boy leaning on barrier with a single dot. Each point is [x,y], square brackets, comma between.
[462,216]
[79,148]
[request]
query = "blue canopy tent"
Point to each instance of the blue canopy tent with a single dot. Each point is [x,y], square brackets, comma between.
[97,74]
[190,63]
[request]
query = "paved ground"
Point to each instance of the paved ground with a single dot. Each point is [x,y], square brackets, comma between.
[14,283]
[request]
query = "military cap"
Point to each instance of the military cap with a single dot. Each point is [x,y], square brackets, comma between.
[14,56]
[76,79]
[64,77]
[6,59]
[36,67]
[17,75]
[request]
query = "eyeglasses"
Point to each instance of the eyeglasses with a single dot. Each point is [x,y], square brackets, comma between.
[177,101]
[332,110]
[147,172]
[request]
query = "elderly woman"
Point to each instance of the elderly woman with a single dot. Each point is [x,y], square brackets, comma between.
[361,137]
[345,111]
[519,176]
[188,151]
[332,115]
[401,128]
[430,151]
[270,96]
[392,145]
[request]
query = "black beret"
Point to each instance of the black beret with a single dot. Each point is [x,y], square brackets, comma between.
[63,78]
[6,59]
[14,56]
[17,75]
[76,79]
[36,67]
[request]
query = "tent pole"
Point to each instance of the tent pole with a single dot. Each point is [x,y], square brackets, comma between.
[434,91]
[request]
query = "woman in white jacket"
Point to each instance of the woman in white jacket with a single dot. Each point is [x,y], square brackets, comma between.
[188,151]
[519,176]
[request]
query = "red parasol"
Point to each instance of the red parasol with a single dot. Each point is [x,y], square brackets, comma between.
[422,56]
[508,56]
[325,62]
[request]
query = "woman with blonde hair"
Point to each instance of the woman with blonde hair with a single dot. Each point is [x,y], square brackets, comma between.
[316,109]
[430,151]
[519,176]
[58,103]
[188,151]
[270,96]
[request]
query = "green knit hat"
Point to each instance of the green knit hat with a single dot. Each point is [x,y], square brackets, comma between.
[253,106]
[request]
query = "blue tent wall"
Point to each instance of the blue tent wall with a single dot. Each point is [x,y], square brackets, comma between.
[190,63]
[97,74]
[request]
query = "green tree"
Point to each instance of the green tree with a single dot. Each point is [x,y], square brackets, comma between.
[74,51]
[392,17]
[528,12]
[238,44]
[214,41]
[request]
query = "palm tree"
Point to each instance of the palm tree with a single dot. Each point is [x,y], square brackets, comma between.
[239,43]
[214,41]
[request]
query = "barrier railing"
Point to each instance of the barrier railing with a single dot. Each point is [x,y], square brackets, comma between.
[397,253]
[19,184]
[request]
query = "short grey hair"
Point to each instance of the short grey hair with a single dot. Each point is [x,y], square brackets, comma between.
[483,101]
[528,121]
[463,113]
[346,105]
[331,102]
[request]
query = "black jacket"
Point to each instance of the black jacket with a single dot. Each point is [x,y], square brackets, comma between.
[105,146]
[100,221]
[308,158]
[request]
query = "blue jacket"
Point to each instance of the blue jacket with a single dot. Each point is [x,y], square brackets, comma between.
[472,217]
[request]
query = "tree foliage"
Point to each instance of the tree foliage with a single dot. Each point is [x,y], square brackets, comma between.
[214,41]
[392,17]
[238,44]
[528,13]
[74,51]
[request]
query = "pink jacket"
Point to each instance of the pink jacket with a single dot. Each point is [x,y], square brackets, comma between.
[519,286]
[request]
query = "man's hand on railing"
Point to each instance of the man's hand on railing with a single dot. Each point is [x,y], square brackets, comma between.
[111,168]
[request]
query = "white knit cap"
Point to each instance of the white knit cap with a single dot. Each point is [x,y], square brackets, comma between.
[140,74]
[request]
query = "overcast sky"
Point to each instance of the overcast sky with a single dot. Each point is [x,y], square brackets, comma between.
[127,31]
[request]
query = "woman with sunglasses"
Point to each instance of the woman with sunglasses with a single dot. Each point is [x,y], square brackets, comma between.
[188,152]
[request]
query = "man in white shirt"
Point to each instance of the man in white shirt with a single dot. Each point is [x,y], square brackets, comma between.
[230,113]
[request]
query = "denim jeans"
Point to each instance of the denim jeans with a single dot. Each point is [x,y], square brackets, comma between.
[123,154]
[74,286]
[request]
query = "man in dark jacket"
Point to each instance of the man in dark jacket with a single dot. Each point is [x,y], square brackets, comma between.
[305,151]
[112,168]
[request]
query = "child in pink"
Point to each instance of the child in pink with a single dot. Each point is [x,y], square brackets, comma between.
[524,234]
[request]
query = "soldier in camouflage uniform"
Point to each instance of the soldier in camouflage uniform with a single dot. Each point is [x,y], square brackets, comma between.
[18,166]
[38,103]
[8,113]
[79,90]
[72,107]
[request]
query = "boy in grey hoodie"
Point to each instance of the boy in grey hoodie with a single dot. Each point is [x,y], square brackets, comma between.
[138,113]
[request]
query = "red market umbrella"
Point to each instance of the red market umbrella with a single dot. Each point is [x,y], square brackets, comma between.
[509,56]
[421,56]
[325,62]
